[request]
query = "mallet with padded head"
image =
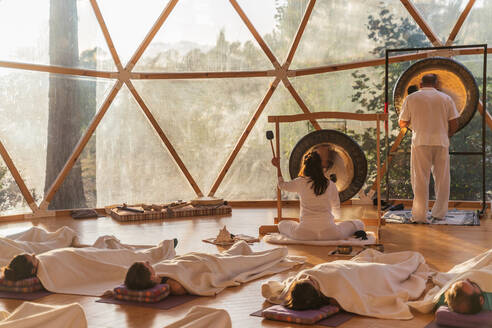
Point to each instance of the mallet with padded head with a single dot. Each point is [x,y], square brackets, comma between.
[269,136]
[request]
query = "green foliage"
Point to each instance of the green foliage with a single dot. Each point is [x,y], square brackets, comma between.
[389,31]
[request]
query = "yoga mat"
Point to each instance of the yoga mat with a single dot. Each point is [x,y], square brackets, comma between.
[454,217]
[433,324]
[25,296]
[332,321]
[165,304]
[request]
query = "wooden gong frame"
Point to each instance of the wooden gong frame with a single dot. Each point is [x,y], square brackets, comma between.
[327,115]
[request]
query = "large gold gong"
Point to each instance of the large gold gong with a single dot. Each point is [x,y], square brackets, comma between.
[454,79]
[342,160]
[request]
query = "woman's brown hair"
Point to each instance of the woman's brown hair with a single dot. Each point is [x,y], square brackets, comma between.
[302,295]
[19,268]
[138,277]
[311,167]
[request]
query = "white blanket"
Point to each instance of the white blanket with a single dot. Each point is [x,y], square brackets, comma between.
[208,274]
[277,238]
[92,271]
[477,269]
[33,315]
[203,317]
[34,240]
[372,283]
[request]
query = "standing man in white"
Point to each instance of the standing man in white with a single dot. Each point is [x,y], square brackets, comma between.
[434,119]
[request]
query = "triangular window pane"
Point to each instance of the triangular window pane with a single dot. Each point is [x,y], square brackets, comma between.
[203,36]
[203,119]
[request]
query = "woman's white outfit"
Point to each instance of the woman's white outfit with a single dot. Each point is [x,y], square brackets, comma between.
[316,220]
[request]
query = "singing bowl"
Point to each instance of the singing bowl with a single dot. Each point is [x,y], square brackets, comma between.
[340,155]
[454,79]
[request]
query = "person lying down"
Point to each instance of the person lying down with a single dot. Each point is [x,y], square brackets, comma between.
[35,240]
[371,284]
[85,271]
[466,288]
[208,274]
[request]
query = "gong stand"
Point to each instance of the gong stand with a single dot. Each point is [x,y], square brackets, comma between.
[326,115]
[439,51]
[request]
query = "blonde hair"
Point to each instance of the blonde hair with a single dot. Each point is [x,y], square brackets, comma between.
[461,302]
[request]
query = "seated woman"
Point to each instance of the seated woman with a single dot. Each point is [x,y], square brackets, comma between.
[466,297]
[318,200]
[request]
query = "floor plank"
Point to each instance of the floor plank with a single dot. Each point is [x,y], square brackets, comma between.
[442,246]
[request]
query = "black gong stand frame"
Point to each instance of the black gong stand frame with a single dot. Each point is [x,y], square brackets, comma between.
[432,53]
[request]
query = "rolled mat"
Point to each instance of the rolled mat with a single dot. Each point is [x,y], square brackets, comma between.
[165,304]
[25,296]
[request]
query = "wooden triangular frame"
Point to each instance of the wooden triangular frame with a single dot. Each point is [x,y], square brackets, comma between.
[124,75]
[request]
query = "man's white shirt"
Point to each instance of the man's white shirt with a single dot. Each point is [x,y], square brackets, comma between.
[429,111]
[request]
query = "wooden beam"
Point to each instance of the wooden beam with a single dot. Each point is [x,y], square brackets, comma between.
[164,139]
[107,37]
[244,136]
[153,31]
[487,117]
[255,33]
[301,104]
[277,219]
[18,179]
[326,115]
[459,22]
[300,31]
[59,70]
[413,11]
[264,229]
[261,203]
[80,146]
[200,75]
[380,61]
[394,147]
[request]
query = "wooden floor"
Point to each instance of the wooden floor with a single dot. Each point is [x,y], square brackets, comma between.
[442,246]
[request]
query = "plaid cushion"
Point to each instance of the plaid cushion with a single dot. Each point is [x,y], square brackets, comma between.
[28,285]
[307,317]
[151,295]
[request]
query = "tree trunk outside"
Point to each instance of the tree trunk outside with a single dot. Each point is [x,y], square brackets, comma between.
[64,124]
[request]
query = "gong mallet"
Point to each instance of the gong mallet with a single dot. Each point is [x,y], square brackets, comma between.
[269,136]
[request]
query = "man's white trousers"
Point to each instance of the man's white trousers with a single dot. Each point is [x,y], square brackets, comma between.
[424,160]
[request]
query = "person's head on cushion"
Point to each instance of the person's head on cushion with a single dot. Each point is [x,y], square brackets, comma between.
[305,295]
[21,267]
[465,296]
[141,275]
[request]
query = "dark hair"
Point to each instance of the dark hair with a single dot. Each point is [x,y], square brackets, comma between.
[311,168]
[461,302]
[429,79]
[411,89]
[138,277]
[302,295]
[19,268]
